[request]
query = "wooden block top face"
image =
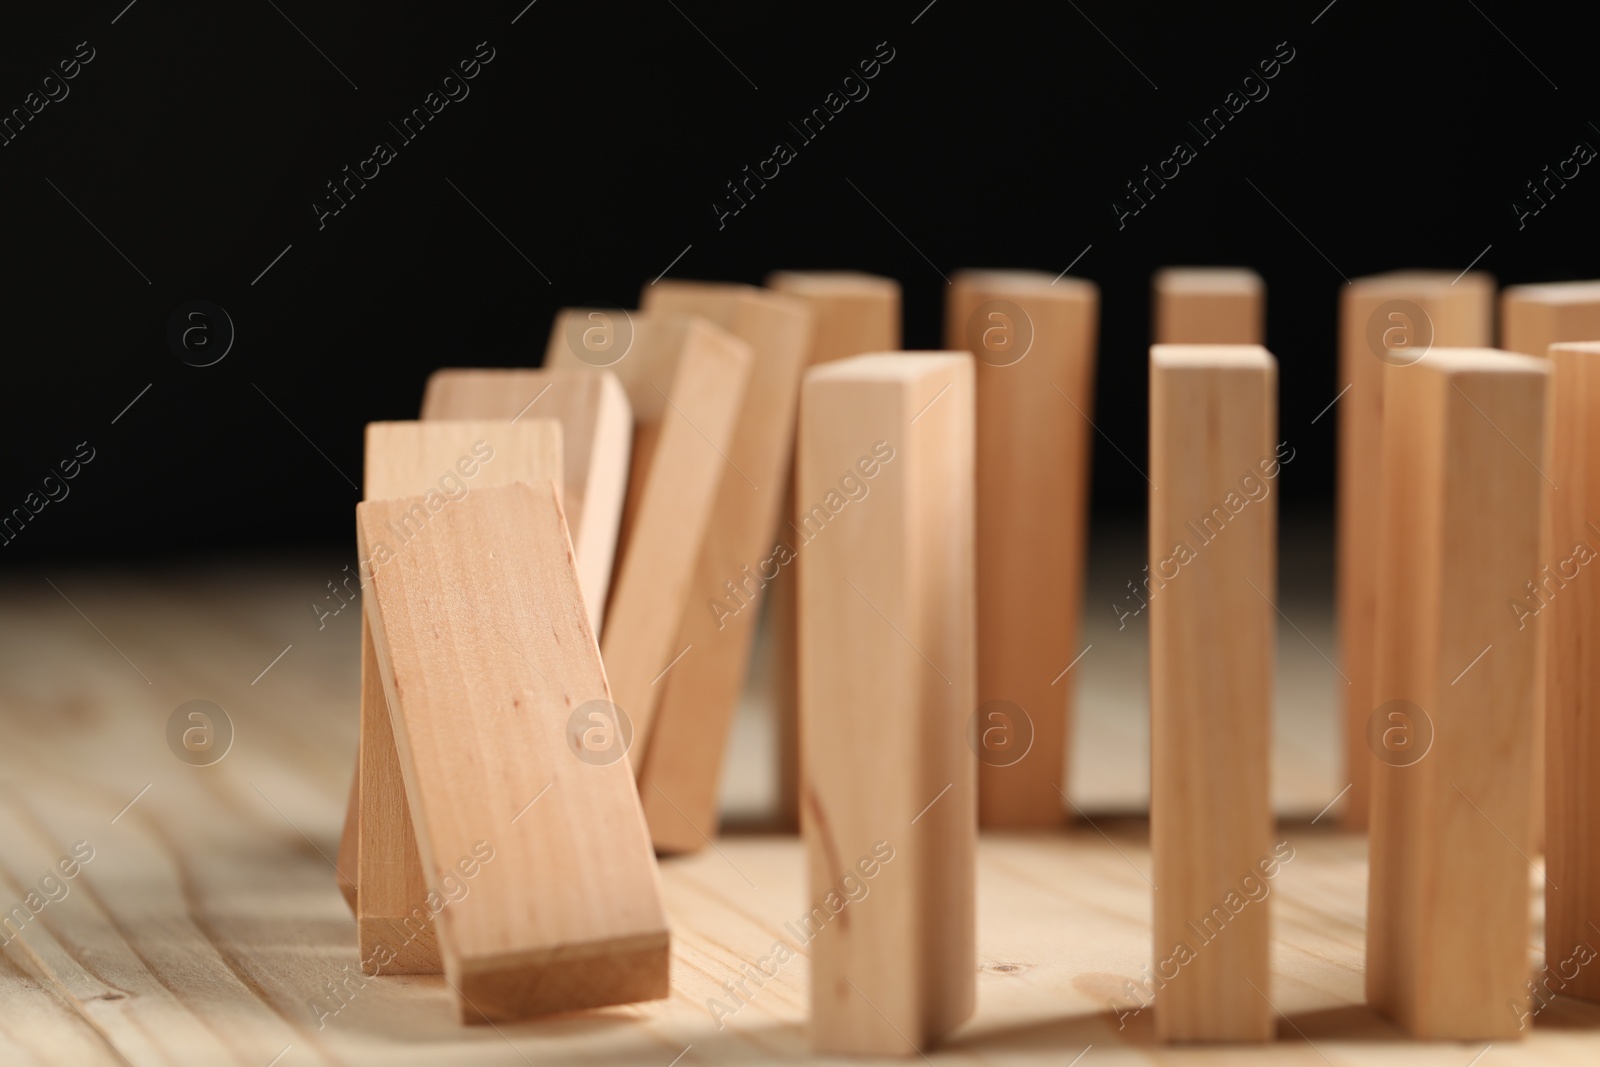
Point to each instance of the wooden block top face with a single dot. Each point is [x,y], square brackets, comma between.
[1585,292]
[488,657]
[1461,361]
[1033,284]
[834,284]
[1209,281]
[1576,348]
[1431,283]
[886,367]
[447,458]
[1210,357]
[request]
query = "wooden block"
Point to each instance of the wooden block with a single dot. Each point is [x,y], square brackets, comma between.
[345,865]
[596,433]
[1534,317]
[1448,899]
[446,462]
[1035,345]
[1384,318]
[687,379]
[1213,532]
[851,313]
[1566,603]
[681,768]
[887,683]
[1209,306]
[483,641]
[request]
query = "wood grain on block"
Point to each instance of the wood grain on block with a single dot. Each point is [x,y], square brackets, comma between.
[488,660]
[596,433]
[1534,317]
[1565,601]
[887,683]
[1034,340]
[349,838]
[687,380]
[1209,306]
[1461,500]
[851,313]
[681,768]
[1383,319]
[442,463]
[1213,531]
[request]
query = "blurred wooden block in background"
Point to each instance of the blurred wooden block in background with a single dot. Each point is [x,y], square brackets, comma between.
[488,660]
[1213,535]
[887,682]
[1534,317]
[1034,340]
[681,769]
[851,313]
[1566,603]
[1383,319]
[1460,509]
[1209,306]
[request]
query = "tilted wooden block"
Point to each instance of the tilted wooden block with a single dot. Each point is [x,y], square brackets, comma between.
[444,463]
[1034,340]
[1448,896]
[681,769]
[489,663]
[1534,317]
[887,669]
[1213,533]
[1383,319]
[1209,306]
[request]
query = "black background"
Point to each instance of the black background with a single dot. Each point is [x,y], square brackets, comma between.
[596,141]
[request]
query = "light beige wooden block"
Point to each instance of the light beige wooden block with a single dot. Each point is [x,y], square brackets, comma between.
[1562,609]
[1534,317]
[1213,534]
[852,313]
[444,463]
[1209,306]
[687,380]
[488,661]
[682,765]
[1461,499]
[887,684]
[1035,340]
[1383,319]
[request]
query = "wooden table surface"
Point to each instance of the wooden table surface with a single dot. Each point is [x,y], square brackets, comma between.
[206,926]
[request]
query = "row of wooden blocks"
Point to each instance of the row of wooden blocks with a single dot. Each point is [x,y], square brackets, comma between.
[564,569]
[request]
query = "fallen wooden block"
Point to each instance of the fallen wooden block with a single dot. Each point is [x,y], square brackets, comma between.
[1566,602]
[1448,897]
[1034,339]
[488,660]
[681,769]
[1534,317]
[1209,306]
[686,379]
[1384,319]
[887,669]
[1213,533]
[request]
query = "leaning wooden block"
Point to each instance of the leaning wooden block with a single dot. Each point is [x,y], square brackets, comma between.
[1534,317]
[851,313]
[681,769]
[1213,533]
[443,463]
[1384,319]
[1034,339]
[887,669]
[1448,897]
[533,843]
[1566,602]
[1209,306]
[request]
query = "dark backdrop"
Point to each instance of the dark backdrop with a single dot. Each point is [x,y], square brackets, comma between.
[586,159]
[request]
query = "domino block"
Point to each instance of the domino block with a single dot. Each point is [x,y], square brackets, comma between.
[1209,306]
[1534,317]
[1034,339]
[887,681]
[1213,424]
[1461,501]
[482,637]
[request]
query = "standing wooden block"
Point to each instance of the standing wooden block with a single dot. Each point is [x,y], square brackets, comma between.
[1565,599]
[1383,319]
[489,663]
[887,681]
[1448,897]
[686,379]
[1213,534]
[682,766]
[444,462]
[1534,317]
[1034,340]
[851,313]
[1209,306]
